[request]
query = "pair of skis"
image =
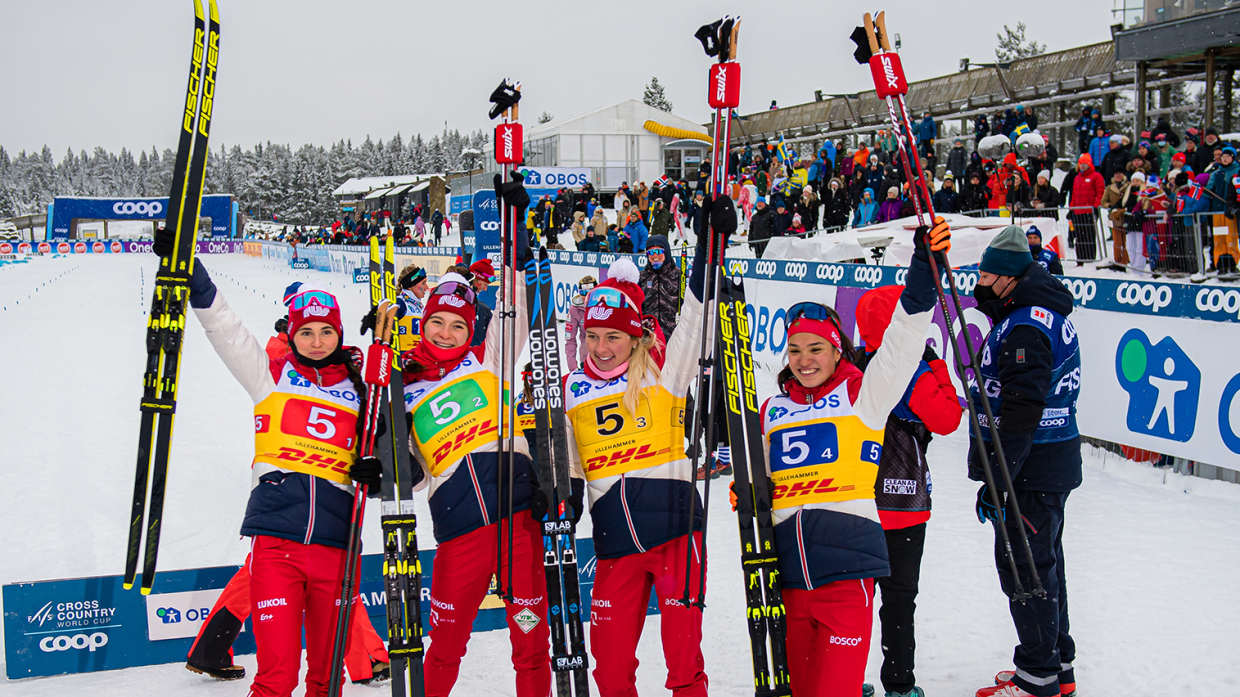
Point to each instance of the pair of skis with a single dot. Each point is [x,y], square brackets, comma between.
[402,571]
[166,325]
[891,85]
[724,310]
[568,644]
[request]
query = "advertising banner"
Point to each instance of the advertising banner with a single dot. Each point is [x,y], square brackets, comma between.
[66,209]
[91,624]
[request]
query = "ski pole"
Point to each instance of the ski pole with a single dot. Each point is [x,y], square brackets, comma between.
[917,186]
[384,320]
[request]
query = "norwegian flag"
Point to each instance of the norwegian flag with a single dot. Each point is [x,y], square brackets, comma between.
[663,181]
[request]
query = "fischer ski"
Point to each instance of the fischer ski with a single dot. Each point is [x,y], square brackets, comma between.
[764,603]
[568,647]
[166,325]
[402,571]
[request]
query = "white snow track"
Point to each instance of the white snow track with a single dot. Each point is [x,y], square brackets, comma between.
[1151,563]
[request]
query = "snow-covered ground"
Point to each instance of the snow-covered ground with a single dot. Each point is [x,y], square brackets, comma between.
[1151,560]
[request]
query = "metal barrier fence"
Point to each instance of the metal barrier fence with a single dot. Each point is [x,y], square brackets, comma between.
[1160,242]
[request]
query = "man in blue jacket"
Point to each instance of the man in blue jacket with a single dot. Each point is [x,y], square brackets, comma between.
[1030,369]
[927,131]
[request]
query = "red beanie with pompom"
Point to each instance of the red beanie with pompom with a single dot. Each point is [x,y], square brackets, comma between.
[622,275]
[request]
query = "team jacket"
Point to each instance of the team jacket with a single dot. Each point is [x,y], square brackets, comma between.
[455,438]
[824,458]
[1031,369]
[929,405]
[640,483]
[305,435]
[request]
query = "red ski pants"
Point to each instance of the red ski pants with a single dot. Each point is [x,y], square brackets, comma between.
[460,580]
[618,612]
[829,637]
[364,641]
[293,586]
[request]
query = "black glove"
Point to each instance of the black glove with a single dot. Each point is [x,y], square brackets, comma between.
[708,34]
[201,287]
[1138,217]
[165,239]
[1230,212]
[380,426]
[513,193]
[986,507]
[723,216]
[504,96]
[368,322]
[929,355]
[367,472]
[539,506]
[576,504]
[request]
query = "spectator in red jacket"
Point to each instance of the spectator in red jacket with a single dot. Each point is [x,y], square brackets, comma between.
[902,489]
[1087,190]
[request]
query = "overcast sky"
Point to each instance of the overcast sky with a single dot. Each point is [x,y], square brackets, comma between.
[85,73]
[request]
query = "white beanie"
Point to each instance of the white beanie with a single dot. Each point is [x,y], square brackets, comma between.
[1117,138]
[1138,176]
[1046,174]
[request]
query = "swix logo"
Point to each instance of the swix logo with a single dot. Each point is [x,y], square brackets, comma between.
[620,457]
[272,602]
[725,85]
[599,313]
[508,143]
[888,75]
[721,85]
[317,311]
[811,486]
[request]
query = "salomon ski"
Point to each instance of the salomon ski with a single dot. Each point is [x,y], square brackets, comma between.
[166,325]
[568,647]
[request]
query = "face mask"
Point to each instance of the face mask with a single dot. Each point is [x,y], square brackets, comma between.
[987,301]
[656,264]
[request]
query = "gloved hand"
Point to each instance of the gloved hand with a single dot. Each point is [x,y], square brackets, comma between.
[165,238]
[368,322]
[937,239]
[986,507]
[1230,212]
[513,193]
[367,472]
[504,96]
[723,216]
[929,355]
[538,506]
[743,507]
[201,287]
[576,506]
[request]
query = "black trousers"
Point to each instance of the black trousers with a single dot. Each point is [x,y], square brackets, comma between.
[1043,659]
[904,548]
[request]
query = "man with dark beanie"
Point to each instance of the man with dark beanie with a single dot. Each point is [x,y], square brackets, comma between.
[1031,371]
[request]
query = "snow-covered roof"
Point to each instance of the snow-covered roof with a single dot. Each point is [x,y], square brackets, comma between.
[363,185]
[626,118]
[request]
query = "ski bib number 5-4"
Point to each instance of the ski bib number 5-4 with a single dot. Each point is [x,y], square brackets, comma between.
[826,460]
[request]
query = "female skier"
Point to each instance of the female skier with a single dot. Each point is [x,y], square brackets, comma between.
[306,424]
[824,441]
[453,399]
[626,418]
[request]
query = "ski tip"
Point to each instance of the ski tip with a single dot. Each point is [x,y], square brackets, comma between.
[127,586]
[215,11]
[146,591]
[198,10]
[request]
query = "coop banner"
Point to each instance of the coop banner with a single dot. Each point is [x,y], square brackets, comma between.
[90,624]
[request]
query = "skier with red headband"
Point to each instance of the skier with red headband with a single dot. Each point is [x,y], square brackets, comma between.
[453,399]
[626,420]
[306,418]
[823,435]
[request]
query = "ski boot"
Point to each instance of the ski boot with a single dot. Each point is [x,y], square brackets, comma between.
[1004,689]
[226,673]
[723,462]
[380,672]
[1065,689]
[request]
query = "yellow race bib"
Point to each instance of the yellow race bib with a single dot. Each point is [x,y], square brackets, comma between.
[824,459]
[304,434]
[612,440]
[454,417]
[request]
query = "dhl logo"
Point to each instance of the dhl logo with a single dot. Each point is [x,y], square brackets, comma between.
[477,430]
[811,486]
[619,457]
[311,459]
